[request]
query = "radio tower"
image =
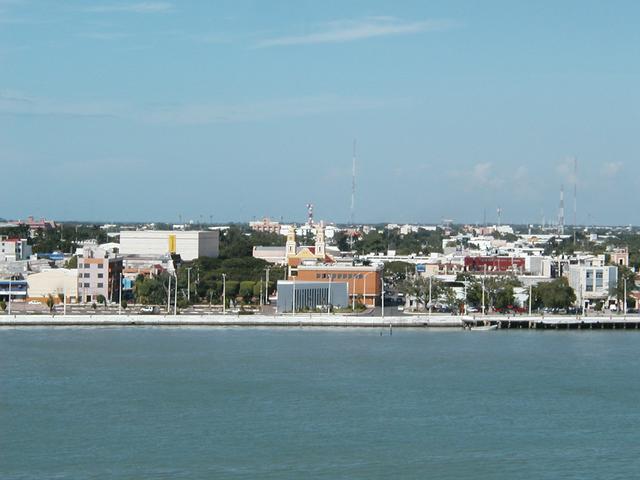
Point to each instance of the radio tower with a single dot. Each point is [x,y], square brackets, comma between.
[575,197]
[561,212]
[353,185]
[310,214]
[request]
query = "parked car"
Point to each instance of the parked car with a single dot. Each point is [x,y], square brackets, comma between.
[149,309]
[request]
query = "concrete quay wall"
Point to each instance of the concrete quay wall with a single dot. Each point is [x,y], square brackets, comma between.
[230,320]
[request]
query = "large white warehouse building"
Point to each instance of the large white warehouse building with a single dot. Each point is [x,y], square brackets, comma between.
[189,244]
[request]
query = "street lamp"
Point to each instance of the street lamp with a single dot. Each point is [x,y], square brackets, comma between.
[189,284]
[224,293]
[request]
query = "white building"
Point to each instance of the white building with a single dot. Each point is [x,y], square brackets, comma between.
[14,249]
[189,244]
[593,284]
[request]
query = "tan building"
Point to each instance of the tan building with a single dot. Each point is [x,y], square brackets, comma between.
[265,225]
[54,282]
[99,273]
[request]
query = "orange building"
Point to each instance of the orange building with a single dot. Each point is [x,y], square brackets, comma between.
[363,282]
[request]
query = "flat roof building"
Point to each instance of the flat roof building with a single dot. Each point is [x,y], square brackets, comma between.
[188,244]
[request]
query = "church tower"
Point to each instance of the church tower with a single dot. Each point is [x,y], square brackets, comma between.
[320,241]
[290,247]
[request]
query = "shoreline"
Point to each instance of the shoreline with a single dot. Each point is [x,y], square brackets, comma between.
[628,322]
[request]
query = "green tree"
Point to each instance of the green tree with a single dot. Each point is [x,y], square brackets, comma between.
[3,305]
[554,294]
[245,290]
[418,288]
[50,303]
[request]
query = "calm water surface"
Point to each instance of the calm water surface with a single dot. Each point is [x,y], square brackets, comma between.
[133,403]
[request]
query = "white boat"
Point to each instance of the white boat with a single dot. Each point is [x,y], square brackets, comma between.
[484,328]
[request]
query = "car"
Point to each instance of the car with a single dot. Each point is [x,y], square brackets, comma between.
[149,309]
[472,310]
[35,302]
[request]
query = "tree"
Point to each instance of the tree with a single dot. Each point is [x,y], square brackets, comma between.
[50,303]
[450,299]
[3,305]
[245,290]
[396,272]
[72,262]
[418,288]
[628,275]
[554,294]
[498,291]
[101,299]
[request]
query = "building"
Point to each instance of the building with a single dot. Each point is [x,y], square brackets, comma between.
[364,283]
[14,287]
[276,255]
[620,257]
[265,225]
[593,284]
[99,273]
[295,296]
[14,249]
[54,282]
[494,264]
[188,244]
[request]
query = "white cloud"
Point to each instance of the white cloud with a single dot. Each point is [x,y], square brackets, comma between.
[611,169]
[566,170]
[16,103]
[351,30]
[139,7]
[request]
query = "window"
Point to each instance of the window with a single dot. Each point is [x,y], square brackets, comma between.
[86,285]
[86,275]
[100,275]
[100,285]
[101,265]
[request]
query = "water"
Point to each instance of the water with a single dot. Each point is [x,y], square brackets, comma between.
[131,403]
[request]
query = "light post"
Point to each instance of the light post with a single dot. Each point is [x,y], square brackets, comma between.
[175,298]
[625,296]
[119,296]
[224,293]
[293,300]
[382,294]
[530,294]
[266,289]
[430,292]
[353,294]
[169,296]
[329,294]
[189,284]
[10,280]
[64,298]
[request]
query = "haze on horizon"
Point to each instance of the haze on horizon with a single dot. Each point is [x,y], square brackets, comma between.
[131,110]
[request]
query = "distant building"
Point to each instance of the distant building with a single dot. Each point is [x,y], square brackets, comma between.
[14,249]
[494,264]
[188,244]
[99,273]
[299,296]
[620,257]
[265,225]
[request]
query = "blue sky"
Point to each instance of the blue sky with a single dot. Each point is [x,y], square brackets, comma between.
[147,110]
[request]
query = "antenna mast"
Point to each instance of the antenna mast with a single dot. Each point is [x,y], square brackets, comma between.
[353,184]
[575,197]
[561,212]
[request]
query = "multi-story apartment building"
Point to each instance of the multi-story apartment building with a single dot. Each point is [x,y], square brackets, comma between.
[14,249]
[99,273]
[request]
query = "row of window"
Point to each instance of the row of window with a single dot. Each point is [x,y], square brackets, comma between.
[88,265]
[88,285]
[340,276]
[87,275]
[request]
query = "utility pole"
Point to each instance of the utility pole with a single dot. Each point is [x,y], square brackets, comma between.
[64,300]
[530,292]
[625,295]
[10,280]
[266,293]
[224,293]
[294,296]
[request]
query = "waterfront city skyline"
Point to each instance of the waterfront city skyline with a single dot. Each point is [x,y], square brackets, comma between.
[134,111]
